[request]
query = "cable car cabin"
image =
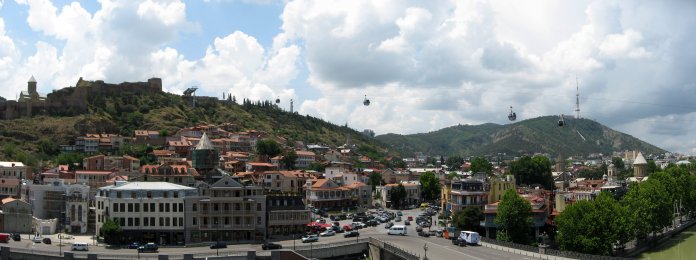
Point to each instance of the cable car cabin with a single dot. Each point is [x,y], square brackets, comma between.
[561,122]
[277,100]
[512,116]
[366,102]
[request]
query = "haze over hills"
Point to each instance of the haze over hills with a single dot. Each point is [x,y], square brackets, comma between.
[541,134]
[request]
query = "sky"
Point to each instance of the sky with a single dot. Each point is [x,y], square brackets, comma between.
[424,65]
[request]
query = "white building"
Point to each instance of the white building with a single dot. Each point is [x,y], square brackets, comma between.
[56,199]
[146,211]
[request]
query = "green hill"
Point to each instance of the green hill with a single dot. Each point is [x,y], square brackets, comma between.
[35,140]
[542,134]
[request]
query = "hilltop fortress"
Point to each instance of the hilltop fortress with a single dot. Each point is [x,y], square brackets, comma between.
[71,100]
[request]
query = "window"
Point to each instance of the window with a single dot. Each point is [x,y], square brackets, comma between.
[146,222]
[195,207]
[132,194]
[236,193]
[122,222]
[258,220]
[181,207]
[174,207]
[205,221]
[247,206]
[152,207]
[145,207]
[237,220]
[227,207]
[123,207]
[115,207]
[161,207]
[227,220]
[161,221]
[195,221]
[130,222]
[152,221]
[216,221]
[174,222]
[181,222]
[166,207]
[215,207]
[118,194]
[236,206]
[149,194]
[130,207]
[176,194]
[166,194]
[258,207]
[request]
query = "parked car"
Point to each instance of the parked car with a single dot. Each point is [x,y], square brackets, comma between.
[347,227]
[388,225]
[337,229]
[327,233]
[407,223]
[351,234]
[410,218]
[424,233]
[134,245]
[310,238]
[398,219]
[218,245]
[46,240]
[148,248]
[419,228]
[16,237]
[398,213]
[37,239]
[80,246]
[271,246]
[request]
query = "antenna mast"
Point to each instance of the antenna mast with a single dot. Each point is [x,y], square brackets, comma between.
[577,98]
[291,108]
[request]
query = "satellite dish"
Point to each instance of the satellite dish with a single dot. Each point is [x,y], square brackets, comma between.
[512,116]
[366,102]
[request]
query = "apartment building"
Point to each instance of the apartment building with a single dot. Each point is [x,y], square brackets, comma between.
[11,175]
[285,181]
[287,215]
[227,211]
[145,211]
[305,159]
[413,193]
[469,192]
[58,199]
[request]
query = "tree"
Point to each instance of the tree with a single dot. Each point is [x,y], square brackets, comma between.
[452,175]
[618,163]
[468,219]
[531,171]
[267,148]
[652,167]
[514,218]
[578,230]
[480,164]
[455,162]
[289,159]
[111,231]
[430,186]
[651,208]
[375,180]
[397,196]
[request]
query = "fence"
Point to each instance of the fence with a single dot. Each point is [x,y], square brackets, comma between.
[548,251]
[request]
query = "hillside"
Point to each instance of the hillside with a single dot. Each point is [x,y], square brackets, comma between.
[35,140]
[540,134]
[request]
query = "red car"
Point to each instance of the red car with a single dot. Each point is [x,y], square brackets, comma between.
[347,228]
[410,218]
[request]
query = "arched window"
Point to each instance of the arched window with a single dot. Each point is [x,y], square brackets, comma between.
[72,212]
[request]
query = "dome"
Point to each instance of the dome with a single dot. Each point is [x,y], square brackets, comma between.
[640,159]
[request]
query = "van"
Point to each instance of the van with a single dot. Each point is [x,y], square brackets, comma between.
[397,230]
[470,237]
[79,246]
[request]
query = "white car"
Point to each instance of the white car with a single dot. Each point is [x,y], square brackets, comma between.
[310,238]
[37,239]
[327,233]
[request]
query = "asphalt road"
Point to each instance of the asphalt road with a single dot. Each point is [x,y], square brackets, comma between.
[438,248]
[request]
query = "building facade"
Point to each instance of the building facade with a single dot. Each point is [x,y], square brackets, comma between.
[469,192]
[16,216]
[287,215]
[145,211]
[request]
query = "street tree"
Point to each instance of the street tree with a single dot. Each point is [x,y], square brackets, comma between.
[397,196]
[578,230]
[430,186]
[651,208]
[514,218]
[480,164]
[111,231]
[468,219]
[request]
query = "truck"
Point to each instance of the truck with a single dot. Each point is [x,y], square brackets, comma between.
[4,238]
[469,237]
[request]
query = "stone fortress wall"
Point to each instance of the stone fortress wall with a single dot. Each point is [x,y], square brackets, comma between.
[71,100]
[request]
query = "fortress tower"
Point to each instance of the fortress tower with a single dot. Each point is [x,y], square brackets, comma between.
[155,84]
[31,86]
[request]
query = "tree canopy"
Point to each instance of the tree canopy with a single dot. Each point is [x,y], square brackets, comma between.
[289,159]
[397,196]
[468,219]
[430,186]
[111,231]
[531,171]
[375,179]
[650,207]
[578,229]
[268,148]
[480,164]
[514,218]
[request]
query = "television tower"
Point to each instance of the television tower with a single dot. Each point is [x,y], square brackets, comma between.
[577,98]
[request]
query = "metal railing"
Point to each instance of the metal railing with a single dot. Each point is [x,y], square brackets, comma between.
[548,251]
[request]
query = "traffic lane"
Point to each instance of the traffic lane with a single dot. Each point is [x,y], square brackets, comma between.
[439,248]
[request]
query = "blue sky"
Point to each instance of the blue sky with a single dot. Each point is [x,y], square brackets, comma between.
[425,65]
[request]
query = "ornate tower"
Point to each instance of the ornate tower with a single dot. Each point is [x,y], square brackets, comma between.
[640,166]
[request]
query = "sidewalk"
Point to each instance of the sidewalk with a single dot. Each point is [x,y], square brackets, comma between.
[522,252]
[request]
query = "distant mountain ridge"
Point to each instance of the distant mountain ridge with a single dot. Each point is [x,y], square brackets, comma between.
[541,134]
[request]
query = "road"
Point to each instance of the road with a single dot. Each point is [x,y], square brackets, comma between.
[438,248]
